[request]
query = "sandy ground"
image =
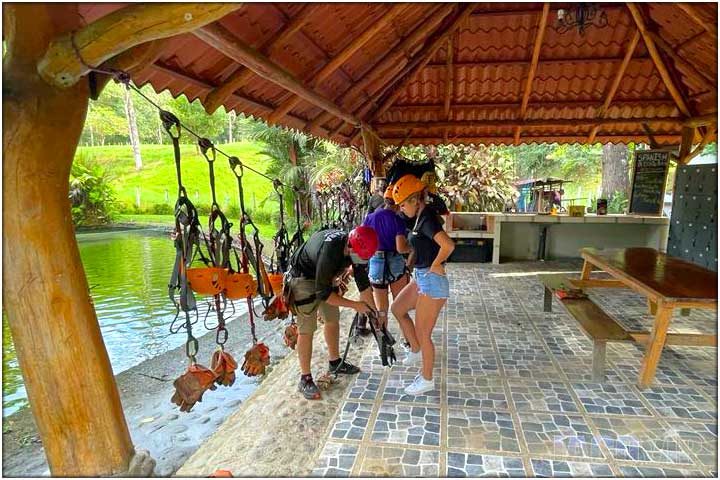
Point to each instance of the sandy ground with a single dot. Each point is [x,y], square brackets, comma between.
[155,423]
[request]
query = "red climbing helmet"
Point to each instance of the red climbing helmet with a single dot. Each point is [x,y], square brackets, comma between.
[364,241]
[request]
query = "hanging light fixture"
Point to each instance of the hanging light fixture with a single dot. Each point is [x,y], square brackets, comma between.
[582,16]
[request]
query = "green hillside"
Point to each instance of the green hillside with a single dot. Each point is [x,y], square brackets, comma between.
[158,184]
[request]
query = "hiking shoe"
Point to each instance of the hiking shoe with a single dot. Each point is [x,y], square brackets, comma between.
[309,390]
[412,359]
[344,368]
[420,386]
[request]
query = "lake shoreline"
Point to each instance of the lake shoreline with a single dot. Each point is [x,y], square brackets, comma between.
[155,423]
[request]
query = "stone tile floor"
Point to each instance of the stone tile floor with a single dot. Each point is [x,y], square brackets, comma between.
[515,397]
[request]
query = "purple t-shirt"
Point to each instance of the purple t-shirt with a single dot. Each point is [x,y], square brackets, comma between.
[388,225]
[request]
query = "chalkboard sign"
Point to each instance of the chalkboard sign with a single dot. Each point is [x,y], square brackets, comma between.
[647,193]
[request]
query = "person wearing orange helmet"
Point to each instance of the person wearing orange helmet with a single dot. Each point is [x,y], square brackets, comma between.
[429,290]
[387,267]
[314,278]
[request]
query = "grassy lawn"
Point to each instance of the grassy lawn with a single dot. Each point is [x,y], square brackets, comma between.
[157,179]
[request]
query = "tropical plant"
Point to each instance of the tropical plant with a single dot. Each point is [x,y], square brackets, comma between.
[474,178]
[92,198]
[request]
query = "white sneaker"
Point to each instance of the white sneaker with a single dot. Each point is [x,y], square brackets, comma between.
[412,358]
[420,386]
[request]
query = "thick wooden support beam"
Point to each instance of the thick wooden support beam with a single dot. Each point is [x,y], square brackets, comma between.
[700,147]
[225,42]
[687,137]
[341,58]
[702,120]
[131,61]
[66,370]
[239,78]
[119,31]
[431,47]
[615,84]
[709,25]
[703,77]
[389,65]
[539,34]
[657,60]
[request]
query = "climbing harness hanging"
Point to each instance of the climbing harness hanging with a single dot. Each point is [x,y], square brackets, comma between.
[191,385]
[297,239]
[258,356]
[219,244]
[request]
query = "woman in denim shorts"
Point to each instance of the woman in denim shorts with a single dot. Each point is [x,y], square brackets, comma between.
[428,292]
[387,266]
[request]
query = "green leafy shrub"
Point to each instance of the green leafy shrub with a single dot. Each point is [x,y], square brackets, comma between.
[618,203]
[162,209]
[92,198]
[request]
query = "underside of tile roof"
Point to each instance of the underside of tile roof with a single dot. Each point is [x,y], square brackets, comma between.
[464,79]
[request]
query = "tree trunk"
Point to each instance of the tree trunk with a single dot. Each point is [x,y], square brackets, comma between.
[132,127]
[159,130]
[66,369]
[231,121]
[615,176]
[92,137]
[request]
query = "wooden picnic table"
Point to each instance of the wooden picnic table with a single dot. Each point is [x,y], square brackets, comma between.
[667,282]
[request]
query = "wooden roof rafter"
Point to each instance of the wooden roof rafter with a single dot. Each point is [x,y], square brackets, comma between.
[662,69]
[393,61]
[542,23]
[224,41]
[342,57]
[242,75]
[433,43]
[601,112]
[692,12]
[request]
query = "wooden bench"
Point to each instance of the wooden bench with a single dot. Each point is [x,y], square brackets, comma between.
[597,325]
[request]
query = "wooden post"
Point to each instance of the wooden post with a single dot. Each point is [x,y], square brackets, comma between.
[655,344]
[66,369]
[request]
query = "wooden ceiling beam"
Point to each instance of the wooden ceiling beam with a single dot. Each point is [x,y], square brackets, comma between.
[341,58]
[702,120]
[225,42]
[254,103]
[692,12]
[615,84]
[568,122]
[541,62]
[390,64]
[69,56]
[239,78]
[509,139]
[430,48]
[532,12]
[705,78]
[674,90]
[709,133]
[500,106]
[542,23]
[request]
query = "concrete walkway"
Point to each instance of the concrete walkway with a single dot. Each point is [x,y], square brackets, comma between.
[515,398]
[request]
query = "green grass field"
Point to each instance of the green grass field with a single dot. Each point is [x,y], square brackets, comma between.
[157,181]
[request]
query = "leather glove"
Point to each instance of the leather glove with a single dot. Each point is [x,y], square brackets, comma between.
[291,335]
[223,365]
[256,359]
[276,309]
[191,385]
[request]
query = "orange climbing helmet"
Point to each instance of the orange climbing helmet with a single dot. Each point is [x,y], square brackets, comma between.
[364,241]
[207,280]
[407,186]
[240,285]
[388,192]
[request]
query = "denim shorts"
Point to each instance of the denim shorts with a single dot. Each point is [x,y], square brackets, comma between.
[379,274]
[431,284]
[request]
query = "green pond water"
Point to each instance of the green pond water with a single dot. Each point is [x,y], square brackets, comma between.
[128,274]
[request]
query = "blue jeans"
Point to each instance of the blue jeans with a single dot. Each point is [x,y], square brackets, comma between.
[431,284]
[385,268]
